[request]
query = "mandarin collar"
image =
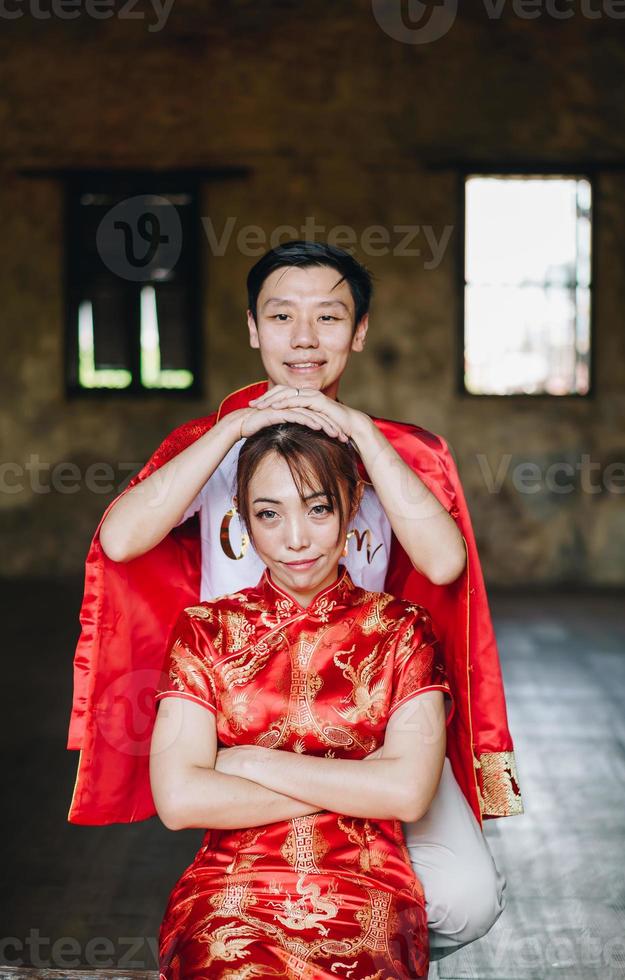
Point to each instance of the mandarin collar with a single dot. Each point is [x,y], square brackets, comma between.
[241,397]
[336,595]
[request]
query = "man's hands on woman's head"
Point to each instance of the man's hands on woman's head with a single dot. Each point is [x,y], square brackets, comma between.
[254,419]
[285,398]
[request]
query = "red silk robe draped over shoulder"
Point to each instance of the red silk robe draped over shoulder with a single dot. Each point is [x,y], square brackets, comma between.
[129,609]
[318,895]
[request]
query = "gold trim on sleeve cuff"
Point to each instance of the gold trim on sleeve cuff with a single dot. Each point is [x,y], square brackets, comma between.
[498,784]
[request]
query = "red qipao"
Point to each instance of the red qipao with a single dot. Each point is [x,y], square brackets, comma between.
[129,610]
[322,895]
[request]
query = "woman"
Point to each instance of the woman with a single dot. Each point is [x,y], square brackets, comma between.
[330,700]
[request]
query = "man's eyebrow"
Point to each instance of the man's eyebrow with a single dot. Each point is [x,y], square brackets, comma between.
[324,302]
[276,299]
[334,302]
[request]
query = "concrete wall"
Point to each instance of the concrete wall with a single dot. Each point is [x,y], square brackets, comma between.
[339,123]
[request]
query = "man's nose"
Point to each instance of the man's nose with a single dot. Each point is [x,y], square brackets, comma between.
[304,332]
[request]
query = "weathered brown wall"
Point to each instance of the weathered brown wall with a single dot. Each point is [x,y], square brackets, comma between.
[337,122]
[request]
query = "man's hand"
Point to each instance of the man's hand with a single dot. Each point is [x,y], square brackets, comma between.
[283,397]
[251,420]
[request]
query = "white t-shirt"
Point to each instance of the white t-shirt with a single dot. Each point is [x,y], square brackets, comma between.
[228,566]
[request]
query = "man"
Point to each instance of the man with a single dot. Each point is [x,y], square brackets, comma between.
[308,310]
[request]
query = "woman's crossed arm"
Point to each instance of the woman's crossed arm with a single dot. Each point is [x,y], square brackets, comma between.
[195,786]
[187,789]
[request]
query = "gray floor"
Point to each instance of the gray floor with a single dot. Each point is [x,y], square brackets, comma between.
[564,859]
[95,896]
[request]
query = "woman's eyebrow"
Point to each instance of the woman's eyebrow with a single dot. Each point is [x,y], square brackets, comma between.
[270,500]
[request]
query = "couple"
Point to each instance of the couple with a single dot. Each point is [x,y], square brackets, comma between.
[308,310]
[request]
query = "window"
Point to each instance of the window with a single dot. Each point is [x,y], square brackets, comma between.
[133,303]
[526,296]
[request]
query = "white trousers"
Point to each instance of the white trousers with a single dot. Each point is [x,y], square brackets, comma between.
[450,856]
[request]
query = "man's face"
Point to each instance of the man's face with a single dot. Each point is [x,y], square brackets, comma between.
[305,327]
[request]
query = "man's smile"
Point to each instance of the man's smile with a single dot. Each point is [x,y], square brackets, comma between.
[304,365]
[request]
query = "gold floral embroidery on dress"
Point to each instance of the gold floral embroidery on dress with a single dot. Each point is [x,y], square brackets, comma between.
[187,672]
[229,942]
[369,698]
[200,612]
[378,921]
[374,621]
[250,970]
[304,845]
[238,630]
[323,608]
[237,709]
[362,834]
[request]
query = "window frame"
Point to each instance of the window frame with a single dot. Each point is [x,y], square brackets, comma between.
[527,169]
[131,183]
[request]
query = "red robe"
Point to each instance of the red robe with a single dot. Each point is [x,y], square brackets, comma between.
[129,609]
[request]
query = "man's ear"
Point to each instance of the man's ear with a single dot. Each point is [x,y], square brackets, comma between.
[358,340]
[253,329]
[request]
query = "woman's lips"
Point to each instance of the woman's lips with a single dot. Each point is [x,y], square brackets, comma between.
[301,564]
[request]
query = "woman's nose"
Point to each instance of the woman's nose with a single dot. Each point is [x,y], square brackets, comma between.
[297,536]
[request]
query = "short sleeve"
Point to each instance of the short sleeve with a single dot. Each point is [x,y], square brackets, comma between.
[192,509]
[418,664]
[188,671]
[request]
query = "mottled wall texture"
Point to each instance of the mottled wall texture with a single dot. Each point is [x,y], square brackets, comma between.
[342,125]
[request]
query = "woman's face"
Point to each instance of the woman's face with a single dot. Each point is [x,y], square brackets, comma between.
[296,539]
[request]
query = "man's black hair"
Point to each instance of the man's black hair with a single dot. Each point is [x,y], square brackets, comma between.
[303,254]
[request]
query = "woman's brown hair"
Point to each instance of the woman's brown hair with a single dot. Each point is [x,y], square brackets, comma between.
[314,458]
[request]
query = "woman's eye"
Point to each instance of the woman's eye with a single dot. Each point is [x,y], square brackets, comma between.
[320,509]
[266,513]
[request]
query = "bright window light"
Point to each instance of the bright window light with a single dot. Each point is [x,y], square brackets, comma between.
[527,285]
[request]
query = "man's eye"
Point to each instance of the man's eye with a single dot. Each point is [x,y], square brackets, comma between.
[277,316]
[328,316]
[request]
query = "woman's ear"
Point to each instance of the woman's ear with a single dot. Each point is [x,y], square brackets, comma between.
[235,501]
[360,489]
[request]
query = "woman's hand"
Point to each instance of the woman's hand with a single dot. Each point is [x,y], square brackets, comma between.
[297,399]
[253,419]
